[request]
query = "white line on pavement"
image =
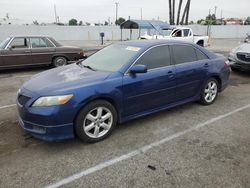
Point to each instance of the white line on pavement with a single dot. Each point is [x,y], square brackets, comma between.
[20,76]
[140,150]
[7,106]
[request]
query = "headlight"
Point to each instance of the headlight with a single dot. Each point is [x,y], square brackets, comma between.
[52,100]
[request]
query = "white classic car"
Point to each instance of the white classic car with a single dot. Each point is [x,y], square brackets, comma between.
[178,33]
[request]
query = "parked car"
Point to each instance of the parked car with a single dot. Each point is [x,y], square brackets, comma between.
[119,83]
[247,39]
[179,33]
[22,51]
[239,57]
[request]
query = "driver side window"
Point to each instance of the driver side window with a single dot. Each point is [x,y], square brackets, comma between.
[19,43]
[177,33]
[156,57]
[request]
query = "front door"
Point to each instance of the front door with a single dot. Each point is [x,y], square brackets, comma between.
[17,53]
[151,90]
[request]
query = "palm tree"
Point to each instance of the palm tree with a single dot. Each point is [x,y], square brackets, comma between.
[173,12]
[170,11]
[184,14]
[188,8]
[179,12]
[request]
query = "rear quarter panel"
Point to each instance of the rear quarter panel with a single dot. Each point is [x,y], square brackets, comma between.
[220,70]
[72,54]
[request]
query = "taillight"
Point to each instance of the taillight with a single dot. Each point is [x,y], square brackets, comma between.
[81,53]
[227,63]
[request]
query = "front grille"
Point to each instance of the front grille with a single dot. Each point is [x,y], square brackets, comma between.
[243,57]
[22,99]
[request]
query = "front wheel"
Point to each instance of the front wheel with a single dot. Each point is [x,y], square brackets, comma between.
[210,92]
[96,121]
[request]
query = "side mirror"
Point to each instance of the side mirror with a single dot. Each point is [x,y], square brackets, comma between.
[138,69]
[10,47]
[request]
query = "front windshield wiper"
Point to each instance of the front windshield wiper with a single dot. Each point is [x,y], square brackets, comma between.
[88,67]
[85,66]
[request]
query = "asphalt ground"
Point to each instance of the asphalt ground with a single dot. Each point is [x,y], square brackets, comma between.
[187,146]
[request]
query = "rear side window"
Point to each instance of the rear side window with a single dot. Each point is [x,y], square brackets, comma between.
[156,57]
[40,43]
[183,54]
[200,55]
[186,32]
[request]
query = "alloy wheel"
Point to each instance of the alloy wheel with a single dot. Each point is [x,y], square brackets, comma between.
[98,122]
[210,92]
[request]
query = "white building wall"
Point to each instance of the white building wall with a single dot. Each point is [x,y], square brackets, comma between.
[90,33]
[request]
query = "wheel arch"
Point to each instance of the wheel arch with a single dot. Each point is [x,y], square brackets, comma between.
[217,77]
[59,55]
[105,98]
[200,41]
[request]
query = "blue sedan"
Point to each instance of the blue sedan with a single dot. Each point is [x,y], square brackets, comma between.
[122,82]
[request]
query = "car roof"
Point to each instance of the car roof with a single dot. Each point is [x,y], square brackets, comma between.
[150,43]
[13,36]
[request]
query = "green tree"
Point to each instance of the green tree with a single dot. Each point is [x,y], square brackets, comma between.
[120,21]
[211,19]
[106,23]
[247,21]
[80,23]
[73,22]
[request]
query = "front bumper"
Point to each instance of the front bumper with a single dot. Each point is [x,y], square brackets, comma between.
[239,65]
[48,133]
[47,123]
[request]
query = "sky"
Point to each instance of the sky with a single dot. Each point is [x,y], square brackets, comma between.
[96,11]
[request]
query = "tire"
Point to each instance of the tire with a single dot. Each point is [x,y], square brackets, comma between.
[234,69]
[209,92]
[96,121]
[59,61]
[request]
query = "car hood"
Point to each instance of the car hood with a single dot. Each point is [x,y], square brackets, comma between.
[64,78]
[244,48]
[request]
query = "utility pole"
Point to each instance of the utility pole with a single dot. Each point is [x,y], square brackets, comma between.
[215,9]
[109,20]
[116,12]
[221,19]
[141,13]
[55,13]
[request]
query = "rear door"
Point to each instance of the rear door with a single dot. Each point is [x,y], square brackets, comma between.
[191,70]
[42,50]
[17,53]
[151,90]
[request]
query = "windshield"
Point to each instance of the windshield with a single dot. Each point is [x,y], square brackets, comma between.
[111,58]
[4,43]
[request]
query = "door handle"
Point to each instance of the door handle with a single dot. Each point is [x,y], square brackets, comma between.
[206,65]
[26,51]
[170,74]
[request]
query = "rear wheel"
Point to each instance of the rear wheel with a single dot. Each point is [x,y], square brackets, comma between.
[210,92]
[96,121]
[59,61]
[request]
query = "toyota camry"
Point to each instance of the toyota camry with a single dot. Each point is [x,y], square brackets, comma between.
[119,83]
